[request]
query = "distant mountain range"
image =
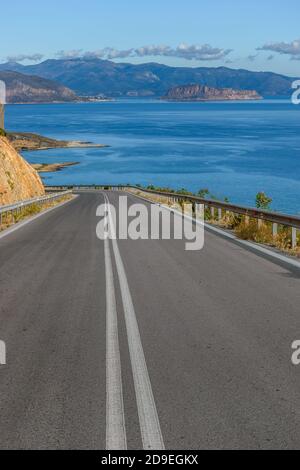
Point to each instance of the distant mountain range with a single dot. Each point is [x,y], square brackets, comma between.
[95,76]
[22,88]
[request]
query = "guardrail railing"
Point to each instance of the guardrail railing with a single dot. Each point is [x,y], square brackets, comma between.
[217,208]
[17,207]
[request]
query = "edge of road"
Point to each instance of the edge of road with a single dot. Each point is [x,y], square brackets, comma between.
[260,250]
[19,225]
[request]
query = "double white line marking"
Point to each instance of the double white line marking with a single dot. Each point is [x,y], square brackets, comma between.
[148,417]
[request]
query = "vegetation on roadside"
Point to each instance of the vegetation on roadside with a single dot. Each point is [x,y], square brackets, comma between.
[263,233]
[245,228]
[9,219]
[262,201]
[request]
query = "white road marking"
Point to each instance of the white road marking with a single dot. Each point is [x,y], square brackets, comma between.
[115,419]
[148,417]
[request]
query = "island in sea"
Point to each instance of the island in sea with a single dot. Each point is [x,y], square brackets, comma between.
[204,93]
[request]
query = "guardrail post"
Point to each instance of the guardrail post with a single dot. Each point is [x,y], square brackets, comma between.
[194,208]
[275,230]
[294,238]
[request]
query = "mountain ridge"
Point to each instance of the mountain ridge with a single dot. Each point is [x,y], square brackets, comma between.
[89,76]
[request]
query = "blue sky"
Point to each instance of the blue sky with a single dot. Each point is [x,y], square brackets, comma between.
[183,33]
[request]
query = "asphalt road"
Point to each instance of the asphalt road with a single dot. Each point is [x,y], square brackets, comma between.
[134,344]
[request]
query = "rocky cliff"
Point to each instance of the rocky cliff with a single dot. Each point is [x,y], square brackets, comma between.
[18,180]
[205,93]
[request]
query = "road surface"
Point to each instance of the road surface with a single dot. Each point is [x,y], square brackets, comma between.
[141,344]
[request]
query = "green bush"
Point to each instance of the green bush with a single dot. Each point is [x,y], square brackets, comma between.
[263,201]
[203,193]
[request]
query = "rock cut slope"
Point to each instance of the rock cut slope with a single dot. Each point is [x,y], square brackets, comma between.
[18,180]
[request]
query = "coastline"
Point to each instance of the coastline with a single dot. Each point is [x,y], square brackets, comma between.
[209,100]
[70,145]
[52,167]
[25,141]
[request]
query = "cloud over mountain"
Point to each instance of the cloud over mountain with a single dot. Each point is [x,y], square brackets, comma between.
[183,51]
[252,58]
[23,57]
[288,48]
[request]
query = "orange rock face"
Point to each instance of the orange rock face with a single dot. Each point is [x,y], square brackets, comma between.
[18,180]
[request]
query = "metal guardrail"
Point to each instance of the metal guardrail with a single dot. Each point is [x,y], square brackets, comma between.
[249,213]
[18,206]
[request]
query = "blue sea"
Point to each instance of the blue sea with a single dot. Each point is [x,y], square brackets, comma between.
[234,149]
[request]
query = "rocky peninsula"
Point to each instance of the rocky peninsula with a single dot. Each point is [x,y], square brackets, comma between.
[205,93]
[51,167]
[23,141]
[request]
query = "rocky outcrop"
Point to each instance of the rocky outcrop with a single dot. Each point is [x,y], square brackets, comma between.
[205,93]
[18,180]
[27,141]
[31,89]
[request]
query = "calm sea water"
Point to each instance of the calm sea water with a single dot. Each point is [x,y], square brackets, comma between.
[233,149]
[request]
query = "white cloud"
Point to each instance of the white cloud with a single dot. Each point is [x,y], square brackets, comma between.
[183,51]
[252,58]
[288,48]
[23,57]
[73,54]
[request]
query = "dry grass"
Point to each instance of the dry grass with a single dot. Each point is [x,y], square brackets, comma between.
[11,219]
[151,197]
[246,230]
[263,234]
